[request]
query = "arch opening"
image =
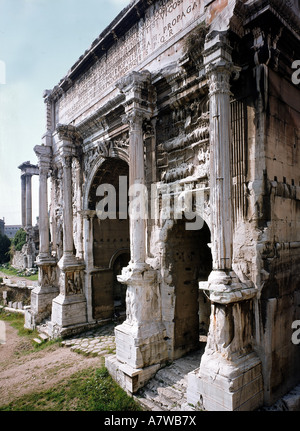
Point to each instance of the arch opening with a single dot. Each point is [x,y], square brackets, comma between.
[111,244]
[189,260]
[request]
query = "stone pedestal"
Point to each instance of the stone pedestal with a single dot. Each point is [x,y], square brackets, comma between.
[230,374]
[69,307]
[140,341]
[43,294]
[220,385]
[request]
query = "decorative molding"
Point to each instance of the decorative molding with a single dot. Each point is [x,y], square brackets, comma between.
[68,133]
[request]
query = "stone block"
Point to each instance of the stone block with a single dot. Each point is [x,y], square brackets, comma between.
[69,310]
[129,378]
[239,388]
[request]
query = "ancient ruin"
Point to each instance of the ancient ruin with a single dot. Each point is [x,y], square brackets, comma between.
[25,258]
[173,151]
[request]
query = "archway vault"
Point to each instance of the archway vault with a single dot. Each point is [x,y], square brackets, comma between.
[110,245]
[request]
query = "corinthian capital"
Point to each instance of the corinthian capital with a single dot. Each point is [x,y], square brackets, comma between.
[44,155]
[68,133]
[219,75]
[134,118]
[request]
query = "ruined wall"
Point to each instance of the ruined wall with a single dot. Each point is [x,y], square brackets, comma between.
[267,212]
[280,297]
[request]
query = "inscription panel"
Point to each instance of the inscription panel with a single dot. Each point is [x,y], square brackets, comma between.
[163,20]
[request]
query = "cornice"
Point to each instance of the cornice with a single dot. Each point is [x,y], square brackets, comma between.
[281,9]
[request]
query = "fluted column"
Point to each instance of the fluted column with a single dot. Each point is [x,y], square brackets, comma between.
[69,307]
[28,201]
[23,199]
[141,339]
[135,120]
[47,289]
[220,175]
[223,283]
[44,155]
[68,254]
[230,371]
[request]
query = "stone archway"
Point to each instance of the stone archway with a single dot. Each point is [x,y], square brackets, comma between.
[189,260]
[111,244]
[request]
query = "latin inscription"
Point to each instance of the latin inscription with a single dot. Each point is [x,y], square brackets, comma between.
[162,21]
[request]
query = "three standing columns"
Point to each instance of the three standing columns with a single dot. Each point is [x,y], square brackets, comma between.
[229,377]
[27,171]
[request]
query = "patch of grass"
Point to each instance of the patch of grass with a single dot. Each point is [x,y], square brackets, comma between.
[87,390]
[10,270]
[16,320]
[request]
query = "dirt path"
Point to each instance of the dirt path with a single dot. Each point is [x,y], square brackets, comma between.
[25,373]
[15,279]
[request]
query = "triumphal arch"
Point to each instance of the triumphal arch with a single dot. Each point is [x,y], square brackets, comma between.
[172,147]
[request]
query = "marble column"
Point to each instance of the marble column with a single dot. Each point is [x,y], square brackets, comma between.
[44,251]
[136,177]
[47,289]
[28,201]
[229,377]
[23,199]
[69,307]
[140,340]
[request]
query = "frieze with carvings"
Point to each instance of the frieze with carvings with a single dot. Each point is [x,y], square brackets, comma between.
[185,153]
[47,276]
[74,282]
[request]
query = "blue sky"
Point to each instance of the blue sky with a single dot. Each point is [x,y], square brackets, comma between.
[39,42]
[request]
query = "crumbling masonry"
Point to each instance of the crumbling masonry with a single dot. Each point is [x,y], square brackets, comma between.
[178,96]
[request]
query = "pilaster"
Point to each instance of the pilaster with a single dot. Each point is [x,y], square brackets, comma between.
[88,239]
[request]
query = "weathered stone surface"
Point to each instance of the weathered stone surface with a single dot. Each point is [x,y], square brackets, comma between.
[193,102]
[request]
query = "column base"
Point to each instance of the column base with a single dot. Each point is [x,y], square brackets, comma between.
[68,310]
[141,339]
[222,385]
[141,346]
[129,378]
[41,305]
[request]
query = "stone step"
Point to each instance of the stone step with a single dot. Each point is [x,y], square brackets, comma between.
[148,405]
[44,337]
[37,340]
[166,391]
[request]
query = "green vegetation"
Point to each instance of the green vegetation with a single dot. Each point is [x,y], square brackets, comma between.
[16,320]
[195,40]
[4,248]
[10,270]
[19,239]
[87,390]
